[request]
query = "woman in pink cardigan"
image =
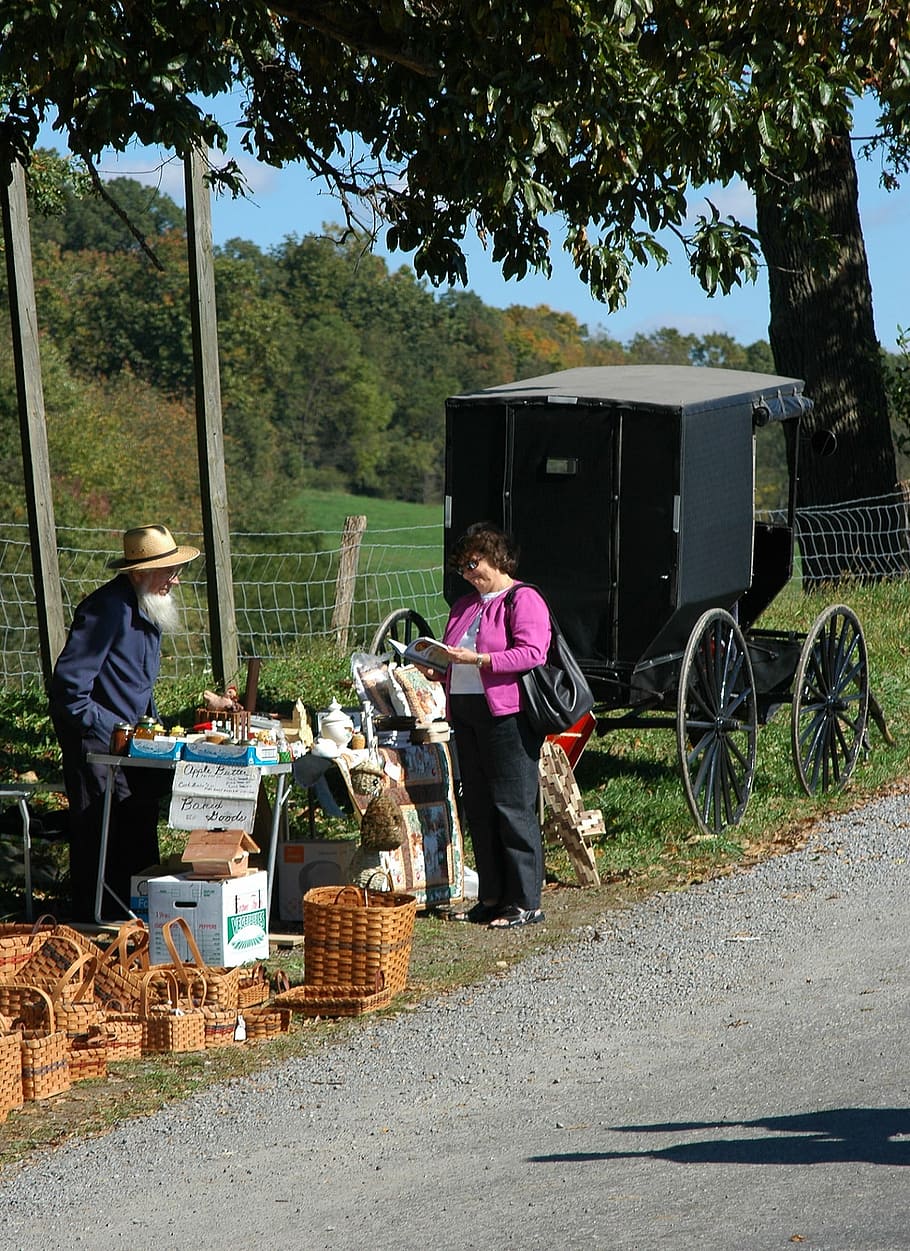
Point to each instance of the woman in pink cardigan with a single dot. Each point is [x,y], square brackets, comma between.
[496,636]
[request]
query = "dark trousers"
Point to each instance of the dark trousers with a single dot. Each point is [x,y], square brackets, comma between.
[133,833]
[498,760]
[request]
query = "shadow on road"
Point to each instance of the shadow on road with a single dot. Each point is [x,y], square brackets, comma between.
[870,1135]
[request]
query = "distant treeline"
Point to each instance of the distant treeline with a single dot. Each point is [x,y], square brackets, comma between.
[334,367]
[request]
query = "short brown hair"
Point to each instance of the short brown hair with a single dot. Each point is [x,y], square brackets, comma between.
[488,541]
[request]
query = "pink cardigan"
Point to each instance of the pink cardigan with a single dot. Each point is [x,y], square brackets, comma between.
[516,636]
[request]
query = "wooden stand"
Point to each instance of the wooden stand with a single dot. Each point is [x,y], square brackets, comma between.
[567,820]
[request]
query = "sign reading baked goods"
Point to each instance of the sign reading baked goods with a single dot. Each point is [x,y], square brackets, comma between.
[213,796]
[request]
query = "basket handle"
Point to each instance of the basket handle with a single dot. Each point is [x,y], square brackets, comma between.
[359,894]
[48,1006]
[170,980]
[85,966]
[384,873]
[180,923]
[129,950]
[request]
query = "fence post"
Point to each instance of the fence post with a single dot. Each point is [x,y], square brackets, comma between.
[32,424]
[348,558]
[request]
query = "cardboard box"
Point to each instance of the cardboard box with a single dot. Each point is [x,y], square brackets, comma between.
[310,863]
[139,890]
[229,918]
[201,752]
[160,748]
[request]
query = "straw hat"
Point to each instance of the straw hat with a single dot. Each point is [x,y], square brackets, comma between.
[151,547]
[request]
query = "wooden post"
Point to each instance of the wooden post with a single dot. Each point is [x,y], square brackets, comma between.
[209,429]
[348,558]
[32,423]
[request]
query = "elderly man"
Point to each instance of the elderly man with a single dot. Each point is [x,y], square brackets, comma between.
[105,674]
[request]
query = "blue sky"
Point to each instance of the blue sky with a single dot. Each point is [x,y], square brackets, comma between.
[288,201]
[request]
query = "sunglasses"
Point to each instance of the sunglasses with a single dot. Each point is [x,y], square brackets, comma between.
[469,566]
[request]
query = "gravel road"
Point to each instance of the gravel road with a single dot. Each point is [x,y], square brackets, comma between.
[722,1067]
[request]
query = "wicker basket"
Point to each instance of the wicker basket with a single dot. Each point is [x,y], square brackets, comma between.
[124,1034]
[264,1023]
[170,1025]
[19,942]
[45,1055]
[333,1000]
[220,1027]
[221,983]
[60,965]
[88,1055]
[118,979]
[252,987]
[10,1070]
[351,935]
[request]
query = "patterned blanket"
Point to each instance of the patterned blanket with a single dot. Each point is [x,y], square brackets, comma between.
[430,862]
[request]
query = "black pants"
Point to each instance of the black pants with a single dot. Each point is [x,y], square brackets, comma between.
[498,759]
[133,833]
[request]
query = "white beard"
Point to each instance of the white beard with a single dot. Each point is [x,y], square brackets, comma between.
[162,610]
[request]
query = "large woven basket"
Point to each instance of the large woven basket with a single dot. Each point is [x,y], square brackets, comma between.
[352,936]
[60,965]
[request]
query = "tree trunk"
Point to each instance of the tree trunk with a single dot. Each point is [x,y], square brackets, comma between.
[822,331]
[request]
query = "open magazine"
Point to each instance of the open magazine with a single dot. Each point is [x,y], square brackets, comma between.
[423,651]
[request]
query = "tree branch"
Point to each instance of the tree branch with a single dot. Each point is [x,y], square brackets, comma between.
[363,33]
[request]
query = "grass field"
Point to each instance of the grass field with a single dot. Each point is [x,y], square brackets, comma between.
[326,511]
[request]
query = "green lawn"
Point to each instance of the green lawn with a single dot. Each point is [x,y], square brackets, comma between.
[326,510]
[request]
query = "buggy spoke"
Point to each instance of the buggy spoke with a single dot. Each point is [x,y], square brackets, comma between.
[830,701]
[716,722]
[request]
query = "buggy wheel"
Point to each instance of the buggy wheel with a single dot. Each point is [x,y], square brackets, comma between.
[403,625]
[830,701]
[716,722]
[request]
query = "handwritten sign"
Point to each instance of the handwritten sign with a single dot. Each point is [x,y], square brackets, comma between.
[213,796]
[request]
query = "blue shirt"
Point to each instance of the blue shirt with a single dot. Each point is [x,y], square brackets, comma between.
[109,664]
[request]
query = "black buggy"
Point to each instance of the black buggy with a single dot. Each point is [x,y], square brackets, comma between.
[631,492]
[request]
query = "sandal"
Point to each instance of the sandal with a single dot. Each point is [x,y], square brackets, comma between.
[513,916]
[480,914]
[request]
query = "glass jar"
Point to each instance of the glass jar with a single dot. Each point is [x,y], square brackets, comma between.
[120,738]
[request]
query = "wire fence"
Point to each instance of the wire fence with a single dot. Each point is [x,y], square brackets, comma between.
[285,584]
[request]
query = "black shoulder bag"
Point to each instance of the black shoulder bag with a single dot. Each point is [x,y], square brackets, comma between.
[556,693]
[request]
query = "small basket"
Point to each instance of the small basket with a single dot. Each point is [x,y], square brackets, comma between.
[124,1034]
[353,934]
[45,1055]
[265,1023]
[220,1027]
[88,1055]
[252,987]
[169,1026]
[10,1071]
